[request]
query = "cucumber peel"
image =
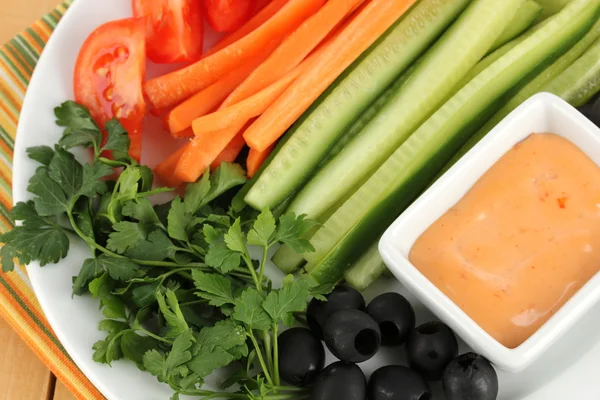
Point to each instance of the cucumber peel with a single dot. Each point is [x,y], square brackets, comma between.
[366,80]
[432,82]
[538,84]
[526,16]
[404,174]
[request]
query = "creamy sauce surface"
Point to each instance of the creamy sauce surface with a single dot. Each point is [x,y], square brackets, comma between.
[521,242]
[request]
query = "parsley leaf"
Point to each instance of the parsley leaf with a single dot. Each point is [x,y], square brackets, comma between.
[174,363]
[169,307]
[263,229]
[225,177]
[51,199]
[249,310]
[38,239]
[157,247]
[291,298]
[208,360]
[92,179]
[291,230]
[134,346]
[66,171]
[141,210]
[179,220]
[219,255]
[234,238]
[225,334]
[112,306]
[215,288]
[80,128]
[41,154]
[195,194]
[145,295]
[117,141]
[125,236]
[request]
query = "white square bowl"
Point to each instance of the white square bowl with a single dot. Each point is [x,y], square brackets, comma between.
[542,113]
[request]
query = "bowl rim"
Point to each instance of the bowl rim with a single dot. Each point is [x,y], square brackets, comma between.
[401,235]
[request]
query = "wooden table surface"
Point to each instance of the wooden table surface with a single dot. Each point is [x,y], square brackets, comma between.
[22,374]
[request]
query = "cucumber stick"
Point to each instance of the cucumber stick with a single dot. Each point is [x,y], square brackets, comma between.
[367,269]
[526,16]
[432,82]
[551,7]
[408,170]
[538,84]
[311,140]
[285,257]
[581,81]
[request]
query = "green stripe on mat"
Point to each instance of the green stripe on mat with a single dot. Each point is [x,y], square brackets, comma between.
[26,51]
[7,139]
[19,58]
[13,69]
[35,37]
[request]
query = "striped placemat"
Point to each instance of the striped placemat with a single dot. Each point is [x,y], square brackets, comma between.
[18,304]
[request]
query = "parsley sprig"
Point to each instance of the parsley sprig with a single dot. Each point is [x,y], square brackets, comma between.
[180,292]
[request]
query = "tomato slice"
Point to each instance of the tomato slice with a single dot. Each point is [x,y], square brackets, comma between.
[173,28]
[109,73]
[228,15]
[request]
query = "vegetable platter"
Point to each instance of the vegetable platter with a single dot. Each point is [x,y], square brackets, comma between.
[200,189]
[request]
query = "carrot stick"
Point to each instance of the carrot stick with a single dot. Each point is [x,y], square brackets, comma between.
[173,88]
[165,171]
[242,112]
[231,152]
[207,100]
[256,159]
[360,33]
[253,23]
[295,48]
[202,151]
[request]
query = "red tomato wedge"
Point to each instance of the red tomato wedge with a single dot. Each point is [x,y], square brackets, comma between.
[173,28]
[228,15]
[109,73]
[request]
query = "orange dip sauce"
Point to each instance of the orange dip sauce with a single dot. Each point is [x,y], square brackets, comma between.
[521,242]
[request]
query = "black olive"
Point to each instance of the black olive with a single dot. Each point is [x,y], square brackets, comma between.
[343,297]
[301,356]
[397,383]
[352,336]
[340,381]
[471,377]
[395,316]
[430,348]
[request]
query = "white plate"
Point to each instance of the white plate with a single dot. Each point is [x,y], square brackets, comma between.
[570,370]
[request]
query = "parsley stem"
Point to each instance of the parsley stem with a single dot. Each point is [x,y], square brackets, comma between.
[153,336]
[153,192]
[276,379]
[250,266]
[148,263]
[268,352]
[259,354]
[262,264]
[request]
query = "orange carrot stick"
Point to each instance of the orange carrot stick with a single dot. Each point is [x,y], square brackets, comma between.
[231,152]
[207,100]
[256,159]
[360,33]
[243,111]
[253,23]
[295,48]
[202,151]
[173,88]
[165,171]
